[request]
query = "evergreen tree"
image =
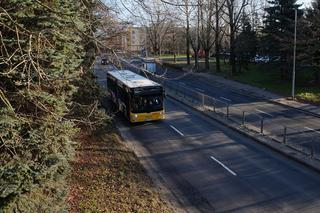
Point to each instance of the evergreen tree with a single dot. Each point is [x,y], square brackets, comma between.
[42,49]
[278,31]
[309,43]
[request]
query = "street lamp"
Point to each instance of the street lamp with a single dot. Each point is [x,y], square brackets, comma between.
[294,54]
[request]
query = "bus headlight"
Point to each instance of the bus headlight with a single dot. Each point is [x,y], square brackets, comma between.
[134,116]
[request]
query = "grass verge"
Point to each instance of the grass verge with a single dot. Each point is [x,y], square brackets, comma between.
[107,177]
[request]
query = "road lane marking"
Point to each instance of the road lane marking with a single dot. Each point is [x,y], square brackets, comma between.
[182,83]
[224,166]
[263,112]
[200,90]
[175,129]
[226,99]
[312,129]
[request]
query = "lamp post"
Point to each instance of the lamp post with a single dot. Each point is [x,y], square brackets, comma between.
[294,54]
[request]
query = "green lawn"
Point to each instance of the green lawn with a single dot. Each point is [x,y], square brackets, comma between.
[168,56]
[268,76]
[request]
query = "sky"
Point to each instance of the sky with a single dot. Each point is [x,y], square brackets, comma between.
[305,3]
[124,14]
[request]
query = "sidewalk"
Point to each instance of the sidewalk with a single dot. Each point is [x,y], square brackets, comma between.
[262,93]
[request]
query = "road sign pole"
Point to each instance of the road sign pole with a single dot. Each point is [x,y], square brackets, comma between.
[243,118]
[203,101]
[285,134]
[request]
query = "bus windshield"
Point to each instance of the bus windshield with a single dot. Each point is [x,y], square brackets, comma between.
[147,103]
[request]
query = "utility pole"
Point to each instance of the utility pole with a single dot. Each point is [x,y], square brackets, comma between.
[294,54]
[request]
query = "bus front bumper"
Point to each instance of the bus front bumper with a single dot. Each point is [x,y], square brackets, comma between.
[147,116]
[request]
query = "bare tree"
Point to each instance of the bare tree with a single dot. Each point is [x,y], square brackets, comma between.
[187,14]
[218,31]
[109,29]
[186,7]
[195,33]
[157,19]
[207,38]
[233,11]
[174,41]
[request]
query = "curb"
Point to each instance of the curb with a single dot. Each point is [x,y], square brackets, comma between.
[265,141]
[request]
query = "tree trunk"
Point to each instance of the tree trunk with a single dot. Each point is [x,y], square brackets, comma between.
[196,59]
[217,56]
[232,52]
[207,57]
[188,49]
[217,34]
[240,62]
[188,42]
[188,34]
[316,77]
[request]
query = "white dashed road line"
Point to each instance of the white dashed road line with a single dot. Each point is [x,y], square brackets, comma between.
[224,166]
[175,129]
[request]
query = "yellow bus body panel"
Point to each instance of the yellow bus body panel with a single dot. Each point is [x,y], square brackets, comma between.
[147,116]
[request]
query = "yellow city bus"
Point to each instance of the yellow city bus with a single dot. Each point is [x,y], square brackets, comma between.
[137,97]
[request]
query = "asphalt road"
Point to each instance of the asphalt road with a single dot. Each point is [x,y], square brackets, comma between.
[216,169]
[302,128]
[219,170]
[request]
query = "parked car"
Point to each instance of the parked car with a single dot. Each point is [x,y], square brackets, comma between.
[104,61]
[260,59]
[265,59]
[256,59]
[275,58]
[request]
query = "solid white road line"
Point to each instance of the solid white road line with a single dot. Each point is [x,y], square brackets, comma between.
[263,112]
[311,129]
[200,90]
[182,83]
[224,166]
[226,99]
[175,129]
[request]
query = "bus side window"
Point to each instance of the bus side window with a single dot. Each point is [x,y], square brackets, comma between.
[111,84]
[124,97]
